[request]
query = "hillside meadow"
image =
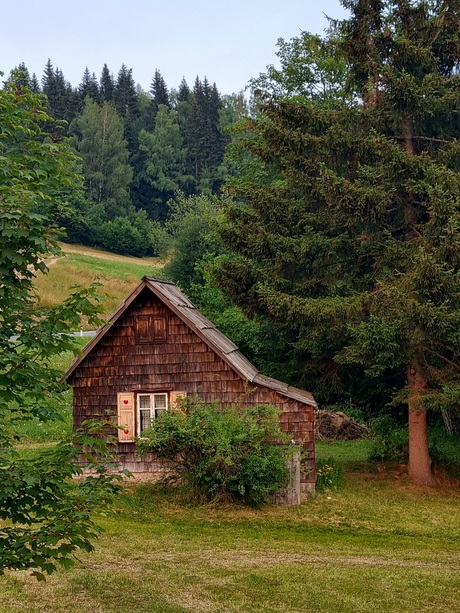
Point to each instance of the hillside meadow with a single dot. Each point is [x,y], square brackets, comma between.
[118,275]
[376,544]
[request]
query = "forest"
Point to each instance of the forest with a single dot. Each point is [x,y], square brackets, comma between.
[137,150]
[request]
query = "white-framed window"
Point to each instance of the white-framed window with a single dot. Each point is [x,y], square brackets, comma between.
[149,407]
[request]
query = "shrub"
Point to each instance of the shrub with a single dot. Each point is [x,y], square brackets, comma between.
[235,452]
[445,450]
[391,441]
[329,474]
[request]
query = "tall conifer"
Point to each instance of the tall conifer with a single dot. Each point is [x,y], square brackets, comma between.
[106,84]
[347,233]
[160,95]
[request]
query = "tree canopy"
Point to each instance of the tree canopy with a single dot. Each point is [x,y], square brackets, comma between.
[47,513]
[345,226]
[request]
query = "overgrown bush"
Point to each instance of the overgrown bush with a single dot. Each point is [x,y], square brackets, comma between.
[235,452]
[329,474]
[445,450]
[391,441]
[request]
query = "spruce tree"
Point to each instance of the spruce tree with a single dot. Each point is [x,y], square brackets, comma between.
[106,85]
[89,86]
[126,102]
[204,137]
[20,76]
[160,95]
[347,229]
[34,84]
[60,96]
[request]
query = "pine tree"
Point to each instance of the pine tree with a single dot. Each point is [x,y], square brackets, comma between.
[348,234]
[126,102]
[106,85]
[160,95]
[34,84]
[89,86]
[20,75]
[125,96]
[205,141]
[60,95]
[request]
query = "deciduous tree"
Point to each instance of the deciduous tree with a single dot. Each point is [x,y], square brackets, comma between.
[45,514]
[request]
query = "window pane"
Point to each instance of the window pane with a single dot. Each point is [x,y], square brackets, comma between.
[146,420]
[160,401]
[144,402]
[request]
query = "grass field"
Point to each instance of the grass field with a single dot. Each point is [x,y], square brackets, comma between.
[119,275]
[378,544]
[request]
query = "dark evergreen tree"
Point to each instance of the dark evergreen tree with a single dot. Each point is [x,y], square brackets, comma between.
[183,93]
[204,137]
[160,95]
[125,95]
[20,76]
[34,84]
[89,86]
[347,230]
[126,102]
[106,85]
[60,96]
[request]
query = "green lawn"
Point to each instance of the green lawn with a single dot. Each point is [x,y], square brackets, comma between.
[377,544]
[119,275]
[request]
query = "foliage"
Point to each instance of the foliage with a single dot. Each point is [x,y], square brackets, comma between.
[445,451]
[99,139]
[329,474]
[231,452]
[45,515]
[190,225]
[49,513]
[344,231]
[311,67]
[391,442]
[164,158]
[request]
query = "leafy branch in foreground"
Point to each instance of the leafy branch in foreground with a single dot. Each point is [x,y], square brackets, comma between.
[44,513]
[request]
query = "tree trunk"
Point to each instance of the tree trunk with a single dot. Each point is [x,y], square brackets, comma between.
[419,457]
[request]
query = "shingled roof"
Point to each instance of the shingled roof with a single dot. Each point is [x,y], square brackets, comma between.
[179,304]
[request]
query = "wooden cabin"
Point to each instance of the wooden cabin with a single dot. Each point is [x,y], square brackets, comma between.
[158,347]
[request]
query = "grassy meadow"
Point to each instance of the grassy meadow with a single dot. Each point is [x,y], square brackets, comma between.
[118,275]
[377,544]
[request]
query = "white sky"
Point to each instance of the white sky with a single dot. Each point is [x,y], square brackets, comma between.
[228,42]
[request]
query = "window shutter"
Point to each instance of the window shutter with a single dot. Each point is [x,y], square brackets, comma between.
[126,417]
[174,397]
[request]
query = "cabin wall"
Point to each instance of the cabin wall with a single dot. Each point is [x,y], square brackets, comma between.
[180,360]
